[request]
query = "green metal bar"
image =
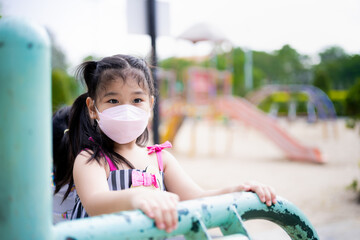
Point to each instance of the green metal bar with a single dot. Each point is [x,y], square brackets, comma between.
[235,225]
[214,212]
[25,131]
[198,230]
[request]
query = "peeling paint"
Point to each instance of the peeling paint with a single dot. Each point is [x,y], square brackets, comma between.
[287,220]
[195,226]
[183,211]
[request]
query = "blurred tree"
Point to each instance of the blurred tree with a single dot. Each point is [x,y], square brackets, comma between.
[353,100]
[178,65]
[221,61]
[267,63]
[284,66]
[350,70]
[258,78]
[341,68]
[322,81]
[238,72]
[90,58]
[290,66]
[64,89]
[332,54]
[58,58]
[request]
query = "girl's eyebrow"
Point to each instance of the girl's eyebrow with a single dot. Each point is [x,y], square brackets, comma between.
[139,92]
[110,94]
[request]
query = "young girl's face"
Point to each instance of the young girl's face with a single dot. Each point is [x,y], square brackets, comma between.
[118,92]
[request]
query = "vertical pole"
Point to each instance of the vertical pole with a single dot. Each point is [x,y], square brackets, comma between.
[151,14]
[25,131]
[248,70]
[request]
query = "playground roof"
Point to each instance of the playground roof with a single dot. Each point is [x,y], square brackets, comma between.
[203,32]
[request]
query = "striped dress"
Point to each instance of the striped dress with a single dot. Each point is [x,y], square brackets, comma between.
[121,179]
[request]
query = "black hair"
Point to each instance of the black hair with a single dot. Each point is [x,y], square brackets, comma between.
[60,146]
[84,134]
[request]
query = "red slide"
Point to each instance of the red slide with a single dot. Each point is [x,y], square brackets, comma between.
[242,110]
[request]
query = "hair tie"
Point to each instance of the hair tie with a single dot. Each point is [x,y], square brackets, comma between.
[66,130]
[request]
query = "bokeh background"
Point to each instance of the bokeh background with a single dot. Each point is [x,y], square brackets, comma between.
[257,90]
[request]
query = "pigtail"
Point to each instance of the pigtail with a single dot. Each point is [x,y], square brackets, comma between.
[80,129]
[87,74]
[61,144]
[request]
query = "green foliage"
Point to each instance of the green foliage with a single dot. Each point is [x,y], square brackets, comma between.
[282,100]
[58,58]
[221,61]
[258,78]
[354,186]
[338,99]
[179,65]
[238,72]
[64,89]
[332,54]
[322,81]
[353,100]
[342,69]
[90,58]
[284,66]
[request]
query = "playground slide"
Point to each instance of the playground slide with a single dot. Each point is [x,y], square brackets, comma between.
[240,109]
[172,127]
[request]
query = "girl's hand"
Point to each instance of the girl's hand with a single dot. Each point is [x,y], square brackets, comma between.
[160,206]
[266,193]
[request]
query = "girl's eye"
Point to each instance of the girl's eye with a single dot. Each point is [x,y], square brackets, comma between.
[113,101]
[137,100]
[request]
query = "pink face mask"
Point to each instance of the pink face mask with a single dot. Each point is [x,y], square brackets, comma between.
[123,123]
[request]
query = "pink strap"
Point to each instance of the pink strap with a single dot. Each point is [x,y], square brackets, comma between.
[158,148]
[111,164]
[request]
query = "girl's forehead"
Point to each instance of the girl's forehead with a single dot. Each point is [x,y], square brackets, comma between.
[121,86]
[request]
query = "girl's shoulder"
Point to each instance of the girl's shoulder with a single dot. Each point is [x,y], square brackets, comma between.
[84,158]
[168,158]
[85,154]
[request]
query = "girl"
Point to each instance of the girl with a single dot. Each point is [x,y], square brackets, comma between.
[107,138]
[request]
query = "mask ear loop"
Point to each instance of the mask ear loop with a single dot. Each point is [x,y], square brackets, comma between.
[98,112]
[95,107]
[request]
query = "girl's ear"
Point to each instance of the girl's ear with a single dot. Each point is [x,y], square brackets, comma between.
[91,108]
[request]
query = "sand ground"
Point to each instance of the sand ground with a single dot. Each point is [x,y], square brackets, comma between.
[240,153]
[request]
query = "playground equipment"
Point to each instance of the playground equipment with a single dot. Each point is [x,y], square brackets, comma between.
[252,116]
[208,94]
[317,99]
[25,165]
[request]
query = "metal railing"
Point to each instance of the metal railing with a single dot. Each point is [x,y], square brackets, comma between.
[195,218]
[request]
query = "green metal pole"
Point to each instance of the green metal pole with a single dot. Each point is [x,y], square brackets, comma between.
[25,131]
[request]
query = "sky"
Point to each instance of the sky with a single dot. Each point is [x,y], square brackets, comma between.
[100,28]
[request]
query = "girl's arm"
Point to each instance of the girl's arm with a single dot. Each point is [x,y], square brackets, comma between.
[177,181]
[92,187]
